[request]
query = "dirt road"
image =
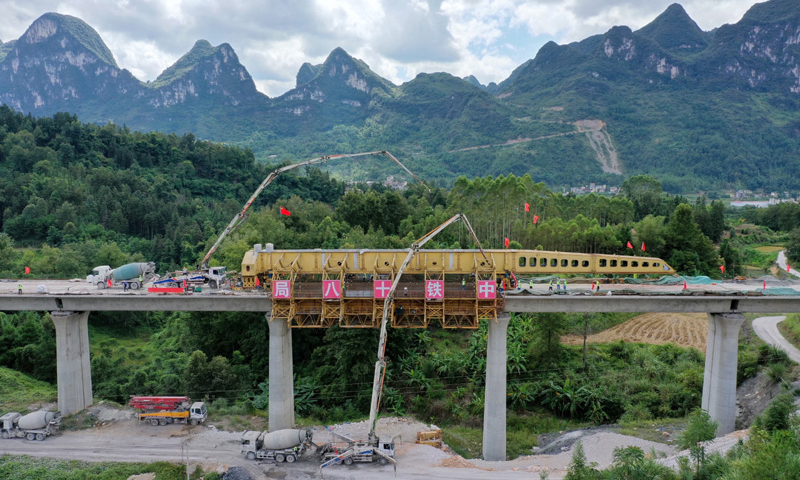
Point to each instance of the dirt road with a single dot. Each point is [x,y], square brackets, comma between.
[127,441]
[767,329]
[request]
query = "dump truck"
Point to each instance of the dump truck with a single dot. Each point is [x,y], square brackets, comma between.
[104,276]
[33,426]
[163,410]
[285,445]
[352,451]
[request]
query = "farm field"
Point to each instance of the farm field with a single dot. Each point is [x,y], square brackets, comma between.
[682,329]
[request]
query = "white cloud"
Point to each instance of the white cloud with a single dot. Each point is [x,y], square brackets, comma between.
[398,39]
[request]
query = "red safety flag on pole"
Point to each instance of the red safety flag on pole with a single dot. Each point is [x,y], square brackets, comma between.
[27,270]
[643,246]
[258,282]
[765,284]
[722,267]
[788,267]
[684,284]
[109,283]
[629,245]
[505,241]
[535,219]
[285,212]
[527,207]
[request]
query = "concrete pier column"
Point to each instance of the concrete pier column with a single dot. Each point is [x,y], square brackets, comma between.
[73,368]
[281,376]
[719,379]
[494,407]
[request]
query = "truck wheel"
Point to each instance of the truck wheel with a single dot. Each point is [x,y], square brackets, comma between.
[290,458]
[30,437]
[4,434]
[173,285]
[154,421]
[134,285]
[383,461]
[101,285]
[162,421]
[40,436]
[348,461]
[251,456]
[280,457]
[212,284]
[193,422]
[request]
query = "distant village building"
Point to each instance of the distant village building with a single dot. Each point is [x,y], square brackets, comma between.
[394,184]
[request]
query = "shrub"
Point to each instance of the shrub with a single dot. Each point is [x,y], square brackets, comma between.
[700,429]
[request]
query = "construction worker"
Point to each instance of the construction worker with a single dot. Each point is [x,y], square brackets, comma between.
[558,285]
[530,284]
[463,283]
[185,271]
[19,291]
[565,285]
[550,286]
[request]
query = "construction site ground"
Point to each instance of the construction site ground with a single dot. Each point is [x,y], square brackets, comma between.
[114,435]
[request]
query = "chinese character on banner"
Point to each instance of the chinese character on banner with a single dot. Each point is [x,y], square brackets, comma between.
[282,289]
[434,289]
[486,290]
[380,288]
[331,289]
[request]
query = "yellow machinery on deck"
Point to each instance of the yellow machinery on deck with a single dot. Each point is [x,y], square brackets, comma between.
[358,273]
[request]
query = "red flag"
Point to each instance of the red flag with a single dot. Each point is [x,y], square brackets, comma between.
[765,284]
[535,219]
[109,283]
[643,246]
[258,282]
[722,267]
[629,244]
[527,207]
[27,270]
[788,267]
[684,284]
[285,212]
[506,241]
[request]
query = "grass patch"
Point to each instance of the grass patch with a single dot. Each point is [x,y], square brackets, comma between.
[20,467]
[770,248]
[790,329]
[522,433]
[465,441]
[662,430]
[18,391]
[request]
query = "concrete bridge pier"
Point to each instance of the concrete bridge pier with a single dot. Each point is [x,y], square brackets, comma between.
[494,406]
[719,379]
[73,368]
[281,376]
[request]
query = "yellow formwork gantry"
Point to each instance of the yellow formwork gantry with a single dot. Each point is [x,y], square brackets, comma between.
[356,269]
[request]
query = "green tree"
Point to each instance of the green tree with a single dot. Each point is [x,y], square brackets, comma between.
[644,192]
[688,250]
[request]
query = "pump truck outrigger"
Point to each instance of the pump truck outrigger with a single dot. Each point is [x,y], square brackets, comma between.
[240,217]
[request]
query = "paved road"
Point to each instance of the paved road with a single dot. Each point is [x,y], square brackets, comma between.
[767,329]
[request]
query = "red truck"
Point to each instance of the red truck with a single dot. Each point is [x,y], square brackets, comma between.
[163,410]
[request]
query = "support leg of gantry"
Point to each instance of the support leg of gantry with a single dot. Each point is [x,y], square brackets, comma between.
[719,378]
[494,409]
[281,373]
[73,367]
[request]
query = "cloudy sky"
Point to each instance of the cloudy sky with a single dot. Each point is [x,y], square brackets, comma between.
[397,38]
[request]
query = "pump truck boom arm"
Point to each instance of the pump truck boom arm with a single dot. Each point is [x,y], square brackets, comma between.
[380,365]
[239,217]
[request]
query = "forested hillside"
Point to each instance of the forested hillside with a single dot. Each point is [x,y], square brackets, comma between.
[698,111]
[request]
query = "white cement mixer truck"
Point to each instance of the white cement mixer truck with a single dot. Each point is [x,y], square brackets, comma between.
[33,426]
[280,446]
